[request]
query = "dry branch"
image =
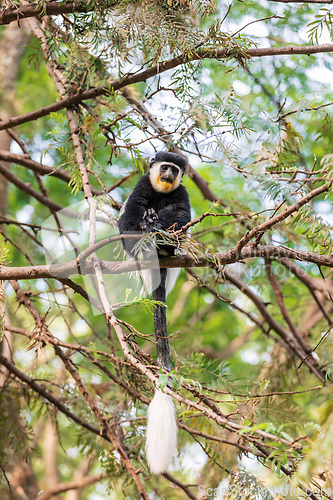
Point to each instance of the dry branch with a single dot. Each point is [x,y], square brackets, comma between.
[26,188]
[119,267]
[272,221]
[38,167]
[75,484]
[47,395]
[156,70]
[16,13]
[311,361]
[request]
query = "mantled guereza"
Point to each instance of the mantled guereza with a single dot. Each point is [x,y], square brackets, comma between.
[159,202]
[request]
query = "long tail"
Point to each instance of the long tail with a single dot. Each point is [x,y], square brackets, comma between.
[162,344]
[161,436]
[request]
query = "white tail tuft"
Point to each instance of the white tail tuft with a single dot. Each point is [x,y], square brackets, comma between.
[172,276]
[147,286]
[161,435]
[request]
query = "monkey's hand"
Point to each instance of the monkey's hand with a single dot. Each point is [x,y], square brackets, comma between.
[150,221]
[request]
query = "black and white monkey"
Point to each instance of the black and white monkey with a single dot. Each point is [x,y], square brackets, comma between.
[159,202]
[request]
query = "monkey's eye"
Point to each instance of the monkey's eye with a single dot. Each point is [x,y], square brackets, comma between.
[175,171]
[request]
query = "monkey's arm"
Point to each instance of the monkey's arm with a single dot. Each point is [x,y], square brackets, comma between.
[134,208]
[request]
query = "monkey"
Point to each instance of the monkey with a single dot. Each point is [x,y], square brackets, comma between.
[159,202]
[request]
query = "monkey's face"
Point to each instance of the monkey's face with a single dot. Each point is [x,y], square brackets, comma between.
[165,177]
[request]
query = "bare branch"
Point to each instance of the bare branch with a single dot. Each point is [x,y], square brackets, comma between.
[311,362]
[109,267]
[75,484]
[45,394]
[218,439]
[38,167]
[272,221]
[156,70]
[26,188]
[279,298]
[178,483]
[314,108]
[309,282]
[16,13]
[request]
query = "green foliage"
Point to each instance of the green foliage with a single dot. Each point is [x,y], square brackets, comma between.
[320,451]
[4,251]
[259,131]
[322,20]
[245,486]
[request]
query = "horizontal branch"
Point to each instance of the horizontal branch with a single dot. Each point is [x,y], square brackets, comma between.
[18,12]
[156,70]
[75,484]
[33,165]
[241,447]
[295,111]
[119,267]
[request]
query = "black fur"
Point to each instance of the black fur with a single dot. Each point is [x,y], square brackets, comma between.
[161,334]
[169,158]
[147,210]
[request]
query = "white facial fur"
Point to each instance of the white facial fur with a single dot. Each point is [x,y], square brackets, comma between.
[160,186]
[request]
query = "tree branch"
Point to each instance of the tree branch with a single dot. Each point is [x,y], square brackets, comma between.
[310,283]
[281,303]
[157,70]
[39,167]
[178,483]
[71,485]
[44,393]
[119,267]
[16,13]
[26,188]
[311,362]
[272,221]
